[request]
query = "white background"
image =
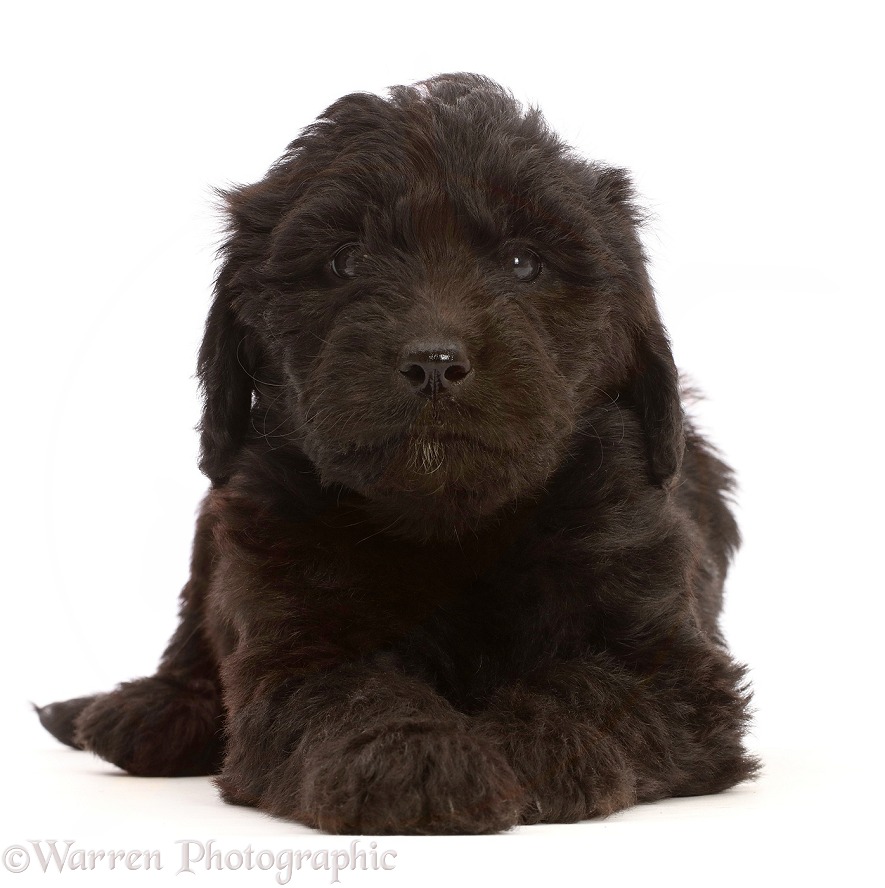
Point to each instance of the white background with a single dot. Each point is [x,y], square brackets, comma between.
[753,132]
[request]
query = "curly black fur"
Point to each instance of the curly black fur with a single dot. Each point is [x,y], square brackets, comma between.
[485,597]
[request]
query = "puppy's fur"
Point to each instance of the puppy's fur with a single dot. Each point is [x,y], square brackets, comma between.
[461,563]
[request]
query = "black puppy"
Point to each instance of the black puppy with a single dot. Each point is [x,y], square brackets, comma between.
[462,559]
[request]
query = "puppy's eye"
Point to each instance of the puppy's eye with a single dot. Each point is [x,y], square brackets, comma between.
[525,264]
[345,260]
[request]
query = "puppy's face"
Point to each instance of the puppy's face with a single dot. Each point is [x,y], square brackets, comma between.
[429,292]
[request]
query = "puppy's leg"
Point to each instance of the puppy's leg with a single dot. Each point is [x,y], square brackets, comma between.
[359,748]
[589,737]
[170,723]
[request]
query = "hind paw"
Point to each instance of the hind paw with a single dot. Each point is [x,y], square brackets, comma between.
[155,727]
[58,718]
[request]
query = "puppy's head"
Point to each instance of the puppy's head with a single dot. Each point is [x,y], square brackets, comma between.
[424,295]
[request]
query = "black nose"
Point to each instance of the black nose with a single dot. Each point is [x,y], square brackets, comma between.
[434,368]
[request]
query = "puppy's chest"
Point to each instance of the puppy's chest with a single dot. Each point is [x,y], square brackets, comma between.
[384,583]
[503,623]
[450,607]
[460,615]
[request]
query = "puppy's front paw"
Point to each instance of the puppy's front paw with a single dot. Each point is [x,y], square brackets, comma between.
[410,777]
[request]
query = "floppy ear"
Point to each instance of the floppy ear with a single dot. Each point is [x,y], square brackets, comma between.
[655,392]
[223,368]
[654,386]
[229,353]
